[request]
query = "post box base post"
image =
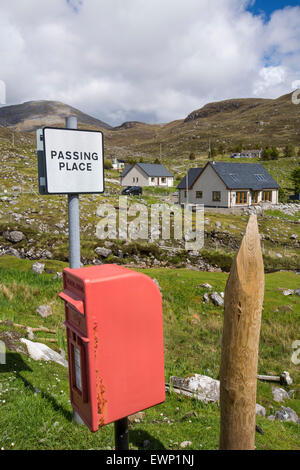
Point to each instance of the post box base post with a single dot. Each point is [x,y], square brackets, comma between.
[121,434]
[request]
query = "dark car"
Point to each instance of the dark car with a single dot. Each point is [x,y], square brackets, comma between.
[132,191]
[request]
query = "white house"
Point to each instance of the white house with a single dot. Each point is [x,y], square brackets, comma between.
[118,164]
[146,174]
[226,184]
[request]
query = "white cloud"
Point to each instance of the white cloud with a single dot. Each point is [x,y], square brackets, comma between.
[146,60]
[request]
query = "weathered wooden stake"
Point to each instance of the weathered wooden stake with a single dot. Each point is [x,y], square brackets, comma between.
[242,319]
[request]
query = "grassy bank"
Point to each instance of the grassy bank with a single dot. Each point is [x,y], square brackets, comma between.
[34,397]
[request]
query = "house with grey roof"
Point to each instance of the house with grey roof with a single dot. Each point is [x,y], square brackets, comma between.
[226,184]
[146,174]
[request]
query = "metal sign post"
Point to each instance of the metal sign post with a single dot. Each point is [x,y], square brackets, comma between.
[73,215]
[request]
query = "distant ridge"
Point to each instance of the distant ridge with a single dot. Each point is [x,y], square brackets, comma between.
[34,114]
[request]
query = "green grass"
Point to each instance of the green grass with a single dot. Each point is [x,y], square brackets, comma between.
[34,400]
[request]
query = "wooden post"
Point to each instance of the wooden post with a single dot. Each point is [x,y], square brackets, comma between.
[242,319]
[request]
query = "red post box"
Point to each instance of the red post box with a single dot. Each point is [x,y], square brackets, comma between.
[115,342]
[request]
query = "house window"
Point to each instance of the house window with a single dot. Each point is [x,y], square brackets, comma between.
[199,194]
[136,180]
[241,197]
[216,196]
[152,180]
[267,196]
[185,193]
[163,180]
[133,180]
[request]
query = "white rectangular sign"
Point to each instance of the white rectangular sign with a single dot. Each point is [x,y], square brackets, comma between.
[73,161]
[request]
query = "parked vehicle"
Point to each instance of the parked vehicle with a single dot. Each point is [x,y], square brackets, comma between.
[132,191]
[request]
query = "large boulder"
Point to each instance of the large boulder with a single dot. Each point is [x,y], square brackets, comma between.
[15,236]
[206,388]
[38,268]
[41,352]
[103,252]
[279,394]
[286,414]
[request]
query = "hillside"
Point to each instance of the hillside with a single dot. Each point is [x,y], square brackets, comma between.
[251,121]
[34,114]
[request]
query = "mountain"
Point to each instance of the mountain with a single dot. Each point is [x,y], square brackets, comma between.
[250,121]
[34,114]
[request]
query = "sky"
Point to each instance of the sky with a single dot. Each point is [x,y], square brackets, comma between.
[148,60]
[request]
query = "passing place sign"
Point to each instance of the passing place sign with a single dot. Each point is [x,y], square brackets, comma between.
[73,161]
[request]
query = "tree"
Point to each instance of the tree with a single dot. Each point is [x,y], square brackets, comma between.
[192,156]
[107,164]
[221,149]
[157,161]
[295,176]
[289,151]
[270,153]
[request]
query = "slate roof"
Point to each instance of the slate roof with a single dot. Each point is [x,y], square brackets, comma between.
[151,169]
[192,176]
[244,176]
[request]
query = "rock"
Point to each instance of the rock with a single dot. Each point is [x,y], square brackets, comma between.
[206,388]
[217,299]
[44,311]
[15,236]
[218,224]
[156,282]
[12,252]
[30,334]
[104,252]
[137,417]
[288,292]
[286,414]
[206,285]
[260,410]
[279,255]
[232,226]
[294,237]
[38,268]
[271,418]
[285,378]
[279,394]
[41,352]
[206,298]
[297,292]
[185,444]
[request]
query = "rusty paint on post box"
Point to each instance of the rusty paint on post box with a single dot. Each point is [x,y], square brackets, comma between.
[115,342]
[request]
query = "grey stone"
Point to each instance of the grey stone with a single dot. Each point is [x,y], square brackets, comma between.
[41,352]
[30,334]
[297,292]
[217,299]
[185,444]
[44,311]
[285,378]
[206,298]
[38,268]
[260,410]
[15,236]
[206,285]
[286,414]
[205,388]
[104,252]
[279,394]
[156,282]
[294,237]
[288,292]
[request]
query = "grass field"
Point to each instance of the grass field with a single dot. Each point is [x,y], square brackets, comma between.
[34,397]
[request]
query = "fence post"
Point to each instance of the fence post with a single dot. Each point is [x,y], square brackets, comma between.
[242,319]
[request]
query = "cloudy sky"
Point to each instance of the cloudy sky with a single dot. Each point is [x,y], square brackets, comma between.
[148,60]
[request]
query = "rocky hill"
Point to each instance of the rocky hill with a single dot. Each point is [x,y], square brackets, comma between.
[34,114]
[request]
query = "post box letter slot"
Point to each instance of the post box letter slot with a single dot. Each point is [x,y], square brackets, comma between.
[74,301]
